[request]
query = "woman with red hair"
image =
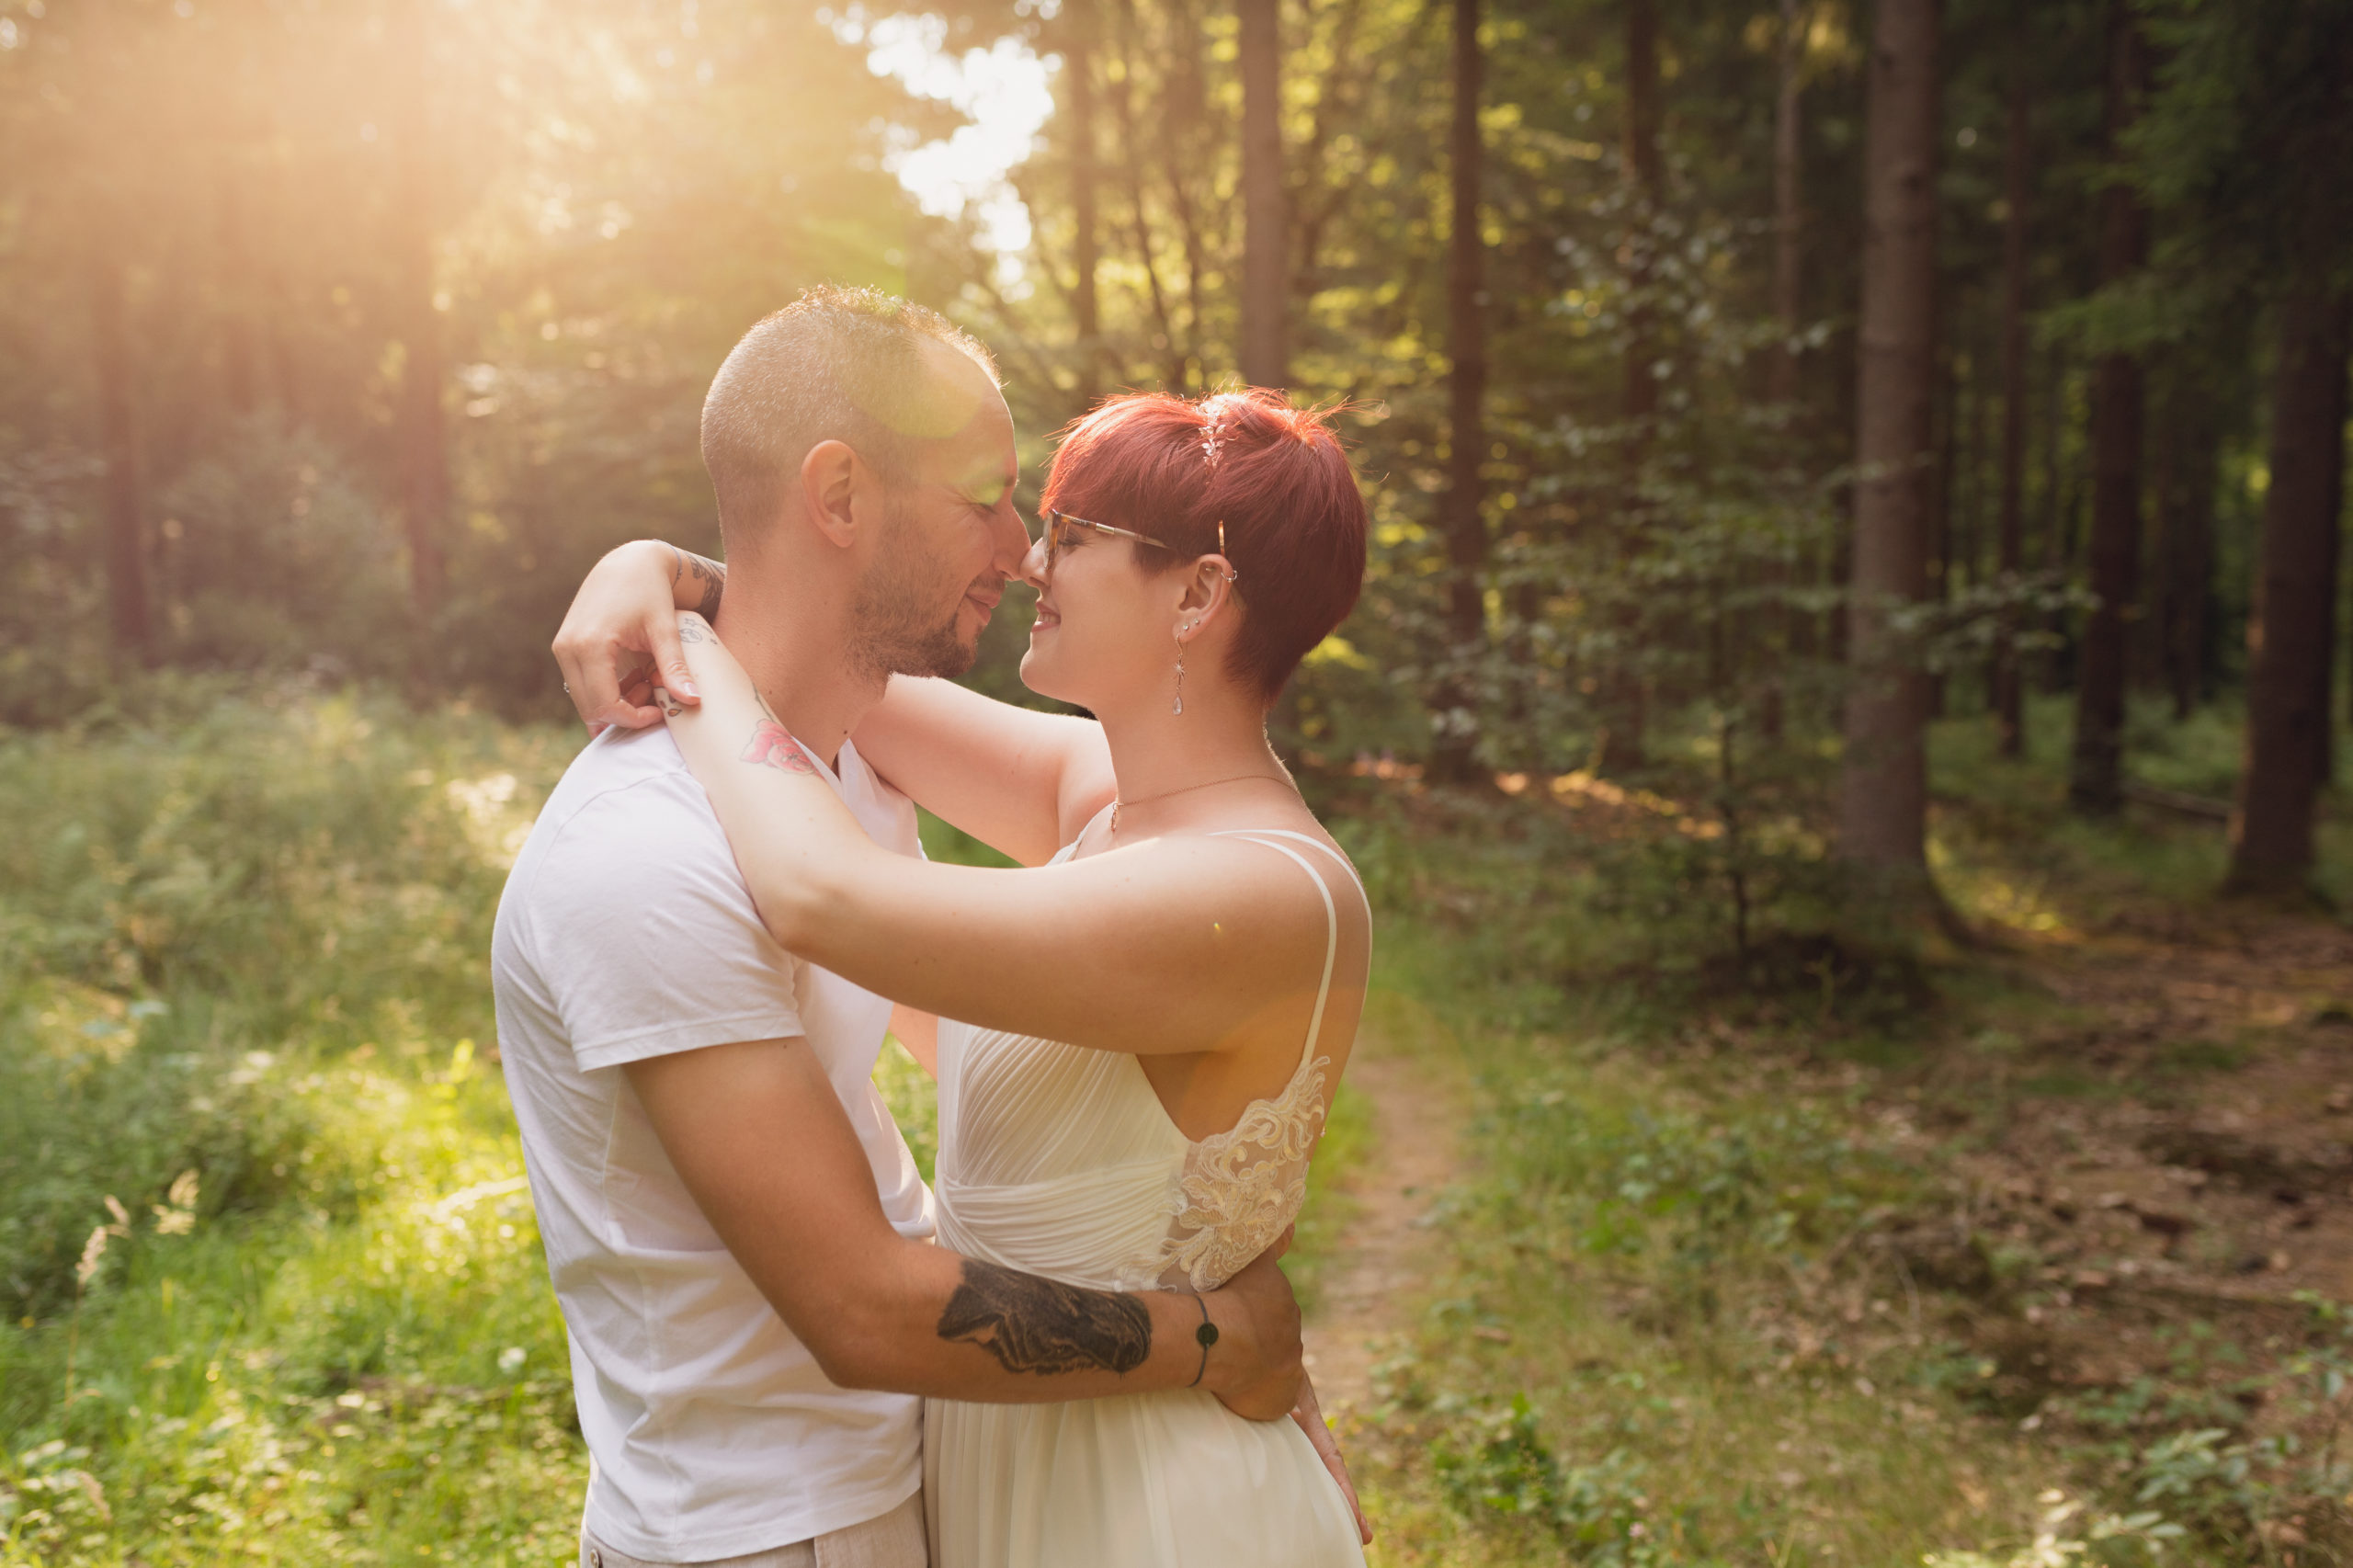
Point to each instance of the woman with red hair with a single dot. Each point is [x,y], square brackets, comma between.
[1151,1025]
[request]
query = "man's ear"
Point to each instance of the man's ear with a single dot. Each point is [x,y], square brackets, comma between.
[832,475]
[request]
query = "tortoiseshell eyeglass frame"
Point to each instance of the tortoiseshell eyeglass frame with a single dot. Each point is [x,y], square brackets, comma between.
[1055,519]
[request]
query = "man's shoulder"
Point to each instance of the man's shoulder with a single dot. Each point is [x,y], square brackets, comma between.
[627,812]
[626,901]
[620,779]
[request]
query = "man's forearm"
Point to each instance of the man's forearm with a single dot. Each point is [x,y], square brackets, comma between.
[697,581]
[760,1140]
[964,1328]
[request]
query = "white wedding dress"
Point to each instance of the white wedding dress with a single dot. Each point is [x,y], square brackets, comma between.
[1062,1161]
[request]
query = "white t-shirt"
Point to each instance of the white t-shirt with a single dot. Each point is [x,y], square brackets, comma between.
[626,932]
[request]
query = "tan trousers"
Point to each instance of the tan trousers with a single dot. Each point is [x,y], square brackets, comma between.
[894,1541]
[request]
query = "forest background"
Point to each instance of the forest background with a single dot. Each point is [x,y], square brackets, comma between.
[1840,725]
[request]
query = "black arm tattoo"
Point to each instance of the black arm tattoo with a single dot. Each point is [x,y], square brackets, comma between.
[710,575]
[1036,1326]
[693,628]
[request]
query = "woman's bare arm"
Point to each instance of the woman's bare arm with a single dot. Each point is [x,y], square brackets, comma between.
[1020,781]
[1160,947]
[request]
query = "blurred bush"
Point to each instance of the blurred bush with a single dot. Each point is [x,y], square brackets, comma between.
[195,913]
[275,555]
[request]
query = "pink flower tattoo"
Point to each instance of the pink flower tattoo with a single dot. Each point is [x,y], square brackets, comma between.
[773,746]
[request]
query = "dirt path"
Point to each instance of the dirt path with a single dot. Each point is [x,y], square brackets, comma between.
[1386,1251]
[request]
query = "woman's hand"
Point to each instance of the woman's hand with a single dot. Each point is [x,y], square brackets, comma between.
[1327,1448]
[620,636]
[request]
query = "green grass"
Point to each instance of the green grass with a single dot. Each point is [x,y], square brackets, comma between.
[245,941]
[1623,1360]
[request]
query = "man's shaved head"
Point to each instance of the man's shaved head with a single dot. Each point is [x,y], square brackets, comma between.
[848,365]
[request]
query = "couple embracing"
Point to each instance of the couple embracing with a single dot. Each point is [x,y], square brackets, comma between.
[1078,1352]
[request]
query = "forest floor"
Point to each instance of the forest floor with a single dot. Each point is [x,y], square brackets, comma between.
[2081,1275]
[1373,1266]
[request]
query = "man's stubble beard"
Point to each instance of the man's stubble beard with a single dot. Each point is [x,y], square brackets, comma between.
[891,628]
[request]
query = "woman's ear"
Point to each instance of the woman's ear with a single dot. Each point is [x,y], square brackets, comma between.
[1208,591]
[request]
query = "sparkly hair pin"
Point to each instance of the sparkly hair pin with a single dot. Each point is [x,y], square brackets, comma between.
[1211,440]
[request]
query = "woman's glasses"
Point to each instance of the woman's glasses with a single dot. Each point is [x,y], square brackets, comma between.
[1057,522]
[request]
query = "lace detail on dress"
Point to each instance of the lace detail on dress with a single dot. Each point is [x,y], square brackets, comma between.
[1237,1189]
[1240,1187]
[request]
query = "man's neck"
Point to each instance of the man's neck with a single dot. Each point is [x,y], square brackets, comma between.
[797,654]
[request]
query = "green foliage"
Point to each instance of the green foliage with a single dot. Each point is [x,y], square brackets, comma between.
[276,556]
[1690,1186]
[302,1386]
[1496,1462]
[239,1085]
[204,904]
[2069,1535]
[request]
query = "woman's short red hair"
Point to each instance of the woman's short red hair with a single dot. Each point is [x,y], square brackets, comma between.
[1275,475]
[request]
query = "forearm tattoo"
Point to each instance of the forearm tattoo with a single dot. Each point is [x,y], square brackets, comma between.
[773,746]
[1036,1326]
[693,628]
[710,576]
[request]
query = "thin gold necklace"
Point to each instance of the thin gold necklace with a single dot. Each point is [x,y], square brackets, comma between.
[1166,794]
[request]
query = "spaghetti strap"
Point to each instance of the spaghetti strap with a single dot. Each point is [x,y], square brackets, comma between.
[1260,836]
[1314,843]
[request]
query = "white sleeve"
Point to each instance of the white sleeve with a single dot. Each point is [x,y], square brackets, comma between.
[646,935]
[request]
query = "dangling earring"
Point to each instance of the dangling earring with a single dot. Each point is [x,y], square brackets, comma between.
[1180,707]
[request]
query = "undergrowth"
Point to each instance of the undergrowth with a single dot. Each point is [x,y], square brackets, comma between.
[1717,1287]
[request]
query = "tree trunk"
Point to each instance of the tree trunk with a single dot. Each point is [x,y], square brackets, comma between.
[2096,780]
[1884,775]
[1164,341]
[122,492]
[2188,467]
[1265,357]
[239,359]
[424,451]
[1788,220]
[1789,213]
[1623,708]
[2058,521]
[1086,306]
[2009,710]
[1944,419]
[271,284]
[1184,111]
[2292,636]
[1466,529]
